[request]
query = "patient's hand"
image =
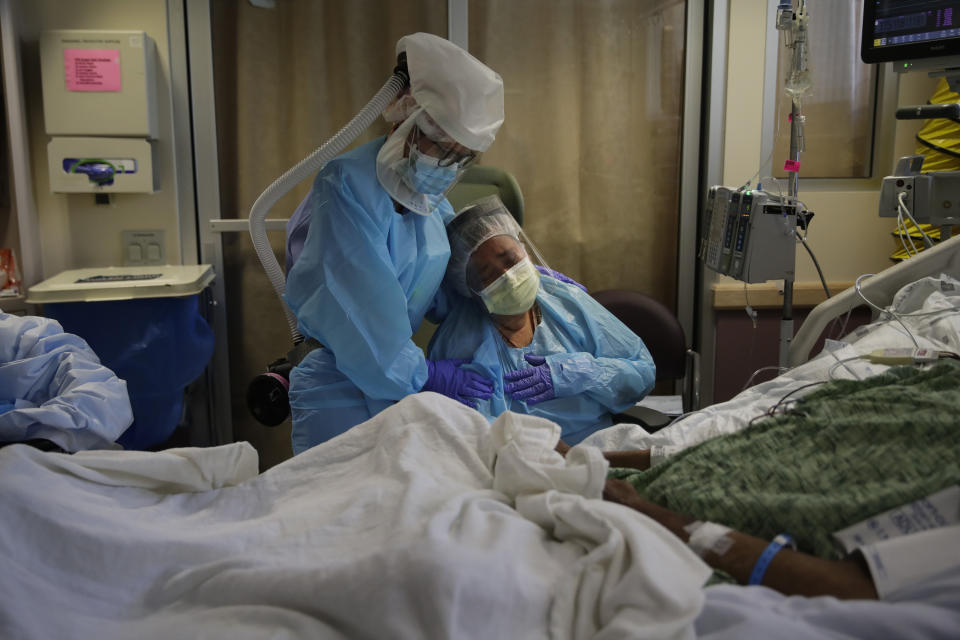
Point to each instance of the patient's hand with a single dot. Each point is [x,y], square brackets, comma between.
[562,448]
[639,459]
[623,493]
[620,492]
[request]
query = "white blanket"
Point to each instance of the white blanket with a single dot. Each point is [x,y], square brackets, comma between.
[927,611]
[929,309]
[425,522]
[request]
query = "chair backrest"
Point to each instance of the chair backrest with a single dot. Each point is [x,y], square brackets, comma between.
[656,325]
[480,181]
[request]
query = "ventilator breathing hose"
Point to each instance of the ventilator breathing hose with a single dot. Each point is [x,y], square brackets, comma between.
[307,168]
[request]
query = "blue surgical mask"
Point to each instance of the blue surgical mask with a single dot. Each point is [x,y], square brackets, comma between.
[422,174]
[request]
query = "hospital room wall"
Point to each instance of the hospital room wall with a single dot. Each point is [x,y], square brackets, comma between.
[74,231]
[847,235]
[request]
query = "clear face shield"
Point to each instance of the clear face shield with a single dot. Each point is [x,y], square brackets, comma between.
[419,163]
[434,166]
[492,259]
[428,138]
[503,279]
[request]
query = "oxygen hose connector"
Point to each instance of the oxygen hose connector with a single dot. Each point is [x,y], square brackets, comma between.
[307,168]
[401,70]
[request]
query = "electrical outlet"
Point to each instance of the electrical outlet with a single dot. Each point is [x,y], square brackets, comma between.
[144,248]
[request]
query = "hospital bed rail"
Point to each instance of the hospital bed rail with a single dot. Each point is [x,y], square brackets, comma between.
[879,289]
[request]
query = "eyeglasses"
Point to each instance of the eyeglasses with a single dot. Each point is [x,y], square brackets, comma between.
[446,155]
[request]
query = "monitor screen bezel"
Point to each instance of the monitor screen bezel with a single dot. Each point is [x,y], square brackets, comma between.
[904,52]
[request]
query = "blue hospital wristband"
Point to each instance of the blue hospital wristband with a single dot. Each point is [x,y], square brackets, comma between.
[759,569]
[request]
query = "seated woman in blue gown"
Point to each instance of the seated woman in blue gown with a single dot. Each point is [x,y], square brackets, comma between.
[550,349]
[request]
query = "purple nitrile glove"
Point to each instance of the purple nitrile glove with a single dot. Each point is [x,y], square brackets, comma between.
[463,385]
[534,384]
[556,275]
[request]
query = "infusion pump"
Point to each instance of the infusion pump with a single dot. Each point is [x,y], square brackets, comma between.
[749,235]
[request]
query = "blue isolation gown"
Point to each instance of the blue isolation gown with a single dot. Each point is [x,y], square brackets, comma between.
[53,387]
[598,365]
[361,286]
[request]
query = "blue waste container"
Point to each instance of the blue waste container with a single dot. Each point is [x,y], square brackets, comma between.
[150,332]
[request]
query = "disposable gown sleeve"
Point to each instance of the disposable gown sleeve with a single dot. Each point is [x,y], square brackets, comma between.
[615,368]
[56,388]
[442,304]
[345,292]
[297,227]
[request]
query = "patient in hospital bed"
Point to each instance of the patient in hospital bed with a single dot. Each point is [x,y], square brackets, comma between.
[831,463]
[551,349]
[427,521]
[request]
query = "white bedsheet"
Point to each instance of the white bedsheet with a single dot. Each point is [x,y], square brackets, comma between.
[939,331]
[928,611]
[425,522]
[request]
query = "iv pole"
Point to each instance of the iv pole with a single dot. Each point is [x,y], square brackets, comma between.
[794,24]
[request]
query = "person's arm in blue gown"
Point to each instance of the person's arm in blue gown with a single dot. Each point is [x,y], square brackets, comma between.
[442,304]
[345,292]
[615,368]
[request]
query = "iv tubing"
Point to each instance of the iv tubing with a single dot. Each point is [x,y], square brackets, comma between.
[305,169]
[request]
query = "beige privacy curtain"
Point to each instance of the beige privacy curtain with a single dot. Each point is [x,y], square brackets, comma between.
[592,133]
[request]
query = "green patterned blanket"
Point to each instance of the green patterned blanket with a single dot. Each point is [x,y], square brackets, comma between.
[847,451]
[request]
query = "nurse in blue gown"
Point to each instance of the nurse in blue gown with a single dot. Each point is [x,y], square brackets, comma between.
[551,349]
[367,248]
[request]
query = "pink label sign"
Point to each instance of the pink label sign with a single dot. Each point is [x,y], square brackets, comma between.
[791,166]
[92,69]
